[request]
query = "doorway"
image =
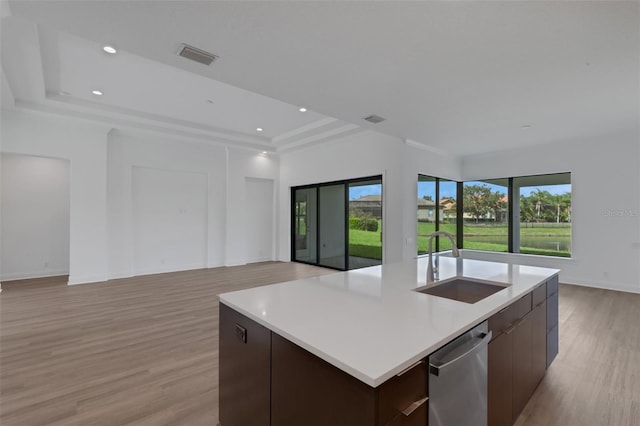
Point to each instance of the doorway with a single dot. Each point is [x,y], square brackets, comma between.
[36,203]
[259,219]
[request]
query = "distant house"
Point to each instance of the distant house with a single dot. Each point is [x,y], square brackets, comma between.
[448,208]
[427,210]
[368,204]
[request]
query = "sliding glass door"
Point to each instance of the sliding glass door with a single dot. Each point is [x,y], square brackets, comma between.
[304,224]
[365,223]
[338,224]
[332,226]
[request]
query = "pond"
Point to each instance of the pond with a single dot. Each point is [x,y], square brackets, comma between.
[546,242]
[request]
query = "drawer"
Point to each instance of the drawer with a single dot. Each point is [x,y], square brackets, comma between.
[400,392]
[539,295]
[505,318]
[552,285]
[418,418]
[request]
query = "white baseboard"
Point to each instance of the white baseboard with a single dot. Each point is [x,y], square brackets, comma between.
[627,288]
[33,274]
[168,269]
[86,279]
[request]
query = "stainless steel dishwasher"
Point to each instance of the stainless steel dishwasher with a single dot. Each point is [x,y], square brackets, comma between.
[458,380]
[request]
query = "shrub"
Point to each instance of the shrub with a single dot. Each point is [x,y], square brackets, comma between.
[363,224]
[369,224]
[355,222]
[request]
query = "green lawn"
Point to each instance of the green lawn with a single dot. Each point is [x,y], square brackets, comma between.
[365,243]
[369,244]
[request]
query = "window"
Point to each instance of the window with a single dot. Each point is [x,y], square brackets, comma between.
[437,211]
[485,216]
[524,214]
[544,209]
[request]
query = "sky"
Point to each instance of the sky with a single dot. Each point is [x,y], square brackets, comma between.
[356,192]
[448,189]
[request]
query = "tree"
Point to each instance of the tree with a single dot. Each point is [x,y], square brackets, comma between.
[427,197]
[479,200]
[542,206]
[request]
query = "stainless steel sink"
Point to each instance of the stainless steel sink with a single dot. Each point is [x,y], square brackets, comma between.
[462,289]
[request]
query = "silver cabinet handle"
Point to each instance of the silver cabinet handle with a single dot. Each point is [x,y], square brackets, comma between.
[486,337]
[414,406]
[504,310]
[410,367]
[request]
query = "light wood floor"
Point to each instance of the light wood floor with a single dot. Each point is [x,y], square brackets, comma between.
[595,379]
[143,351]
[140,351]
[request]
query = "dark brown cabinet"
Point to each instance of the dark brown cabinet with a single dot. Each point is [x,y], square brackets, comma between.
[539,345]
[510,360]
[500,380]
[267,380]
[552,320]
[522,361]
[245,363]
[519,352]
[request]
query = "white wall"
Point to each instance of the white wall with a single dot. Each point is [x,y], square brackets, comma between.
[606,191]
[84,145]
[172,159]
[245,164]
[169,220]
[226,170]
[102,219]
[605,178]
[259,220]
[364,154]
[35,216]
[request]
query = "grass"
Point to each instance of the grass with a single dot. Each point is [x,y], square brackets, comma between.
[369,244]
[366,251]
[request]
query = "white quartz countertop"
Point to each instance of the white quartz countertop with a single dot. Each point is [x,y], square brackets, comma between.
[369,322]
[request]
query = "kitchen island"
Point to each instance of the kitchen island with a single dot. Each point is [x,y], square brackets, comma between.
[366,327]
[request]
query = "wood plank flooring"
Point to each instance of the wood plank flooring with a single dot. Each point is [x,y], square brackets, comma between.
[140,351]
[143,351]
[595,379]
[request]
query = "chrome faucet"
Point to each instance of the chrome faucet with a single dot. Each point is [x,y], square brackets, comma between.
[454,252]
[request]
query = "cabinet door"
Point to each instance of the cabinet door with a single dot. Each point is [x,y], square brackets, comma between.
[306,390]
[245,364]
[552,345]
[552,327]
[500,380]
[522,363]
[539,355]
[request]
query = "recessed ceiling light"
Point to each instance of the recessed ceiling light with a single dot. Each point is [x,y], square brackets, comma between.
[264,152]
[109,49]
[259,129]
[97,92]
[302,109]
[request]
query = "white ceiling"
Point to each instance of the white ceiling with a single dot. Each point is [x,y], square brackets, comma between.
[463,77]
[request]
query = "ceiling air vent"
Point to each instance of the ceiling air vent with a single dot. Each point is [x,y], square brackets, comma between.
[375,119]
[196,54]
